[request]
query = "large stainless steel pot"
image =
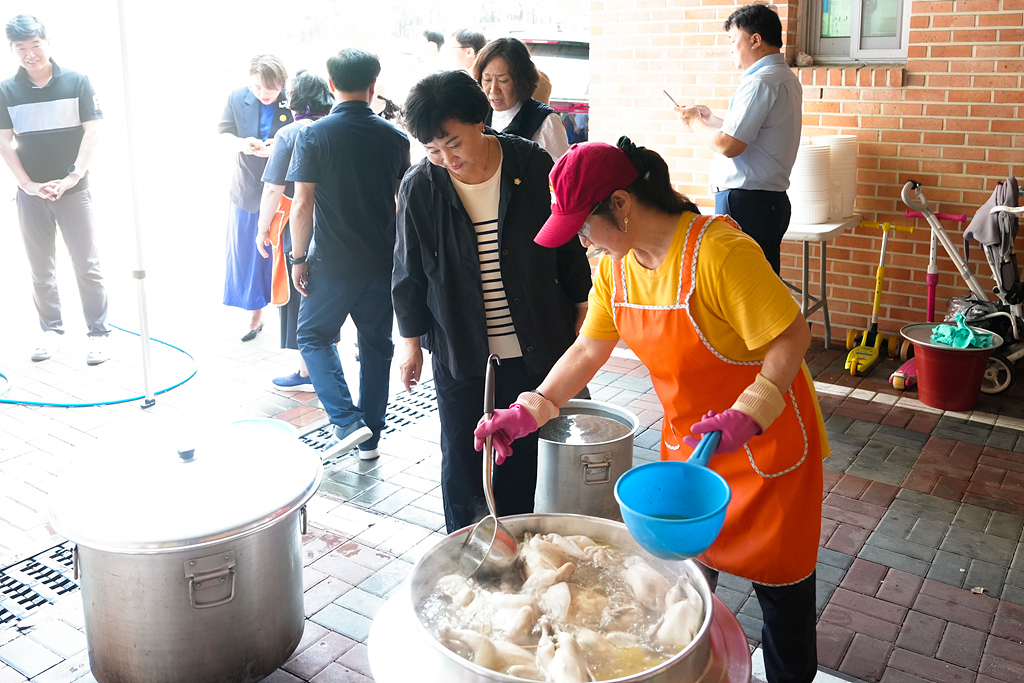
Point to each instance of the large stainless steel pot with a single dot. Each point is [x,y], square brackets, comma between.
[191,562]
[700,662]
[579,478]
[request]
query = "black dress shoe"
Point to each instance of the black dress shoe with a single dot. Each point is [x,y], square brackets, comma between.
[251,334]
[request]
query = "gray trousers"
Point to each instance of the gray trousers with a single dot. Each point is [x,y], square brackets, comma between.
[39,219]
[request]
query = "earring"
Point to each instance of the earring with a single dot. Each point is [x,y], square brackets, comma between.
[625,224]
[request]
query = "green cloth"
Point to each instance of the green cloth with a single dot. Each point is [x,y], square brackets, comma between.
[961,336]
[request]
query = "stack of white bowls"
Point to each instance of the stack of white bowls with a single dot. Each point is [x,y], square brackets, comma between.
[810,189]
[843,170]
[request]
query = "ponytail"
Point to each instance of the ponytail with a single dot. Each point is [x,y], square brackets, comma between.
[654,186]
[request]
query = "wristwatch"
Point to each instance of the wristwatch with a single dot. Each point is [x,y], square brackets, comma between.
[73,169]
[296,261]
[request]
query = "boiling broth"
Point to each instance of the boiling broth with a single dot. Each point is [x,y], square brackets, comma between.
[439,612]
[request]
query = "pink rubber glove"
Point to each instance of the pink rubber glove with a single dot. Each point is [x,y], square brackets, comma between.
[504,427]
[736,426]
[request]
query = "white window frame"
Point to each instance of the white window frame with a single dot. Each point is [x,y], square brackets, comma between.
[836,51]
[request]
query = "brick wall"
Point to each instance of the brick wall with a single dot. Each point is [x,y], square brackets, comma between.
[951,119]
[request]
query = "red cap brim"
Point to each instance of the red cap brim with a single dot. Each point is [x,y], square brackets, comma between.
[559,228]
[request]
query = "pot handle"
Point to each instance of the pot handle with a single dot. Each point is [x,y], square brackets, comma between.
[74,562]
[193,585]
[213,568]
[489,384]
[303,520]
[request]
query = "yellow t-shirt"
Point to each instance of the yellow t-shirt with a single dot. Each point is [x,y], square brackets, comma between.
[739,302]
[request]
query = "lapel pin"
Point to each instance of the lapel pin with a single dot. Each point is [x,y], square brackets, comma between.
[516,181]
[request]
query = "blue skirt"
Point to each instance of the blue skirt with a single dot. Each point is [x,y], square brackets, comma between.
[247,279]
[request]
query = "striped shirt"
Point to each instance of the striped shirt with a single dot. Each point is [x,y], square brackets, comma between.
[481,203]
[47,121]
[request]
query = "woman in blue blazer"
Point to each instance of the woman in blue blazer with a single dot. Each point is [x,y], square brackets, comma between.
[252,117]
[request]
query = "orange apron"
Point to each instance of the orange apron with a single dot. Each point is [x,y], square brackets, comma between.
[773,522]
[279,292]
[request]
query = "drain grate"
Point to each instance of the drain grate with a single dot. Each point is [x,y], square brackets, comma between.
[36,581]
[404,409]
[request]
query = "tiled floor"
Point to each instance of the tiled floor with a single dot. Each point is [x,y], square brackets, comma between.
[920,573]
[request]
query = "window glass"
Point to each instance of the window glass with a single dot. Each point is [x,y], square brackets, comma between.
[880,19]
[836,18]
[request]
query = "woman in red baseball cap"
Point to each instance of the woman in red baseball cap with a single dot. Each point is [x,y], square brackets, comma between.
[698,303]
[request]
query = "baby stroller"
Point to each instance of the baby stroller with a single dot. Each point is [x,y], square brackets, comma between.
[994,227]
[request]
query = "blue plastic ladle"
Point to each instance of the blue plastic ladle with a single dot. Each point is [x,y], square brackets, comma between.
[673,509]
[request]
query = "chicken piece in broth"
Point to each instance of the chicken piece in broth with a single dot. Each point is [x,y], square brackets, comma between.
[605,646]
[500,612]
[573,546]
[684,615]
[569,603]
[542,579]
[604,557]
[495,655]
[461,590]
[516,625]
[529,672]
[648,586]
[539,554]
[562,658]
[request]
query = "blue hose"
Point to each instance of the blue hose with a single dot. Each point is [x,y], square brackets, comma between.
[192,374]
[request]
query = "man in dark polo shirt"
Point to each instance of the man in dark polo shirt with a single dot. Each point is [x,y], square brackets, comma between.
[346,168]
[54,116]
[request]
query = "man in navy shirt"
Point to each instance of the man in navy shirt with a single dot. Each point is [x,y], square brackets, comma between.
[54,115]
[346,168]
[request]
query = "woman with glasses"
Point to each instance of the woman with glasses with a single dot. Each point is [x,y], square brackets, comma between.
[251,119]
[469,281]
[724,341]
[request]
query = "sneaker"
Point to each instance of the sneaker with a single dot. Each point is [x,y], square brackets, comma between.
[348,437]
[48,345]
[292,381]
[371,454]
[97,351]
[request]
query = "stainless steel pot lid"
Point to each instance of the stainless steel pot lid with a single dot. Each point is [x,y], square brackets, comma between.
[225,483]
[921,333]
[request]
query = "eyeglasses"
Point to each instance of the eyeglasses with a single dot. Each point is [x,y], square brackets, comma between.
[585,230]
[260,90]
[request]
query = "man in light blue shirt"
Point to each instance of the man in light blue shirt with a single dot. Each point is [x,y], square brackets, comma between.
[757,141]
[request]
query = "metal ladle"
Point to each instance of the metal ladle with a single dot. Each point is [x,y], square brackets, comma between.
[489,550]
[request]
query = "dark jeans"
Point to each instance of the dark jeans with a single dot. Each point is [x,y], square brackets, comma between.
[788,637]
[460,406]
[331,299]
[39,219]
[761,214]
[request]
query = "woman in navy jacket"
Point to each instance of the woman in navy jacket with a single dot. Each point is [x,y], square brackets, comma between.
[252,117]
[469,281]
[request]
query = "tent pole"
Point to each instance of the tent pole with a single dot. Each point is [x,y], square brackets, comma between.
[140,273]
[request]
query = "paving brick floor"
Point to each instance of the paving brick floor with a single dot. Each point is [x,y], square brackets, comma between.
[920,574]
